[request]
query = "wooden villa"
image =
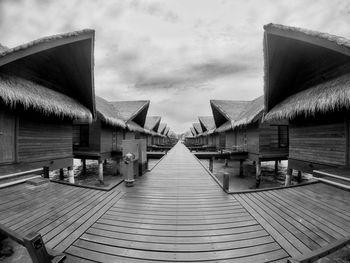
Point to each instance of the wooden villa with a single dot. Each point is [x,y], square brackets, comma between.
[208,126]
[198,129]
[152,124]
[101,139]
[307,76]
[241,129]
[161,130]
[45,85]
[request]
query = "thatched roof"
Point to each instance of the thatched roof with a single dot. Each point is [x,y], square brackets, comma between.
[161,128]
[15,90]
[107,113]
[305,72]
[207,123]
[193,131]
[134,127]
[332,95]
[152,123]
[166,131]
[237,113]
[252,112]
[135,111]
[62,63]
[197,127]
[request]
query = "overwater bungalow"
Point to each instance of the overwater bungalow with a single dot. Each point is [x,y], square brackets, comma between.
[152,124]
[307,76]
[240,128]
[198,129]
[45,85]
[208,126]
[161,130]
[101,139]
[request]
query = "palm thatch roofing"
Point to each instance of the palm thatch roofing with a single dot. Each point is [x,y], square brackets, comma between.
[237,113]
[306,72]
[52,63]
[15,90]
[207,123]
[135,111]
[197,128]
[108,114]
[193,131]
[166,131]
[152,123]
[134,127]
[161,128]
[252,112]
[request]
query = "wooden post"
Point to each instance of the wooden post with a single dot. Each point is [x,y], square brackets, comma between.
[70,175]
[105,162]
[61,174]
[241,167]
[288,177]
[211,164]
[276,167]
[36,248]
[299,178]
[258,174]
[100,171]
[226,181]
[226,162]
[84,165]
[46,172]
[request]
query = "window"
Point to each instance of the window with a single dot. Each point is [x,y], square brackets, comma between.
[84,135]
[283,136]
[81,135]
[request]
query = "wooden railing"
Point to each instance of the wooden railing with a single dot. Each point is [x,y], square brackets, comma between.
[321,252]
[34,245]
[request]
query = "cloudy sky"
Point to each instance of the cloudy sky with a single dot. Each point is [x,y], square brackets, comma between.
[177,53]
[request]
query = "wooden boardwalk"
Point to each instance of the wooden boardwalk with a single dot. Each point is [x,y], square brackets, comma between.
[177,213]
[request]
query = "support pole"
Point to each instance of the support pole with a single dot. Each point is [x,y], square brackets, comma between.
[211,164]
[226,162]
[36,248]
[61,174]
[105,162]
[70,174]
[100,171]
[299,178]
[226,181]
[84,165]
[46,171]
[241,167]
[276,167]
[258,174]
[288,177]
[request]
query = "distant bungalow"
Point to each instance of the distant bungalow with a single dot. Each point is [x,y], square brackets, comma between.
[198,129]
[307,78]
[208,126]
[152,124]
[44,85]
[240,128]
[161,130]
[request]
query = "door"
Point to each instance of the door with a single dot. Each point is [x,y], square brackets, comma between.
[7,137]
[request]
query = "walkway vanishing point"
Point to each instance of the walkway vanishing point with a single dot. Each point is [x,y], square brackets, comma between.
[178,213]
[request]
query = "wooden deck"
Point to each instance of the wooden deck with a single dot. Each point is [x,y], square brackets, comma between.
[177,213]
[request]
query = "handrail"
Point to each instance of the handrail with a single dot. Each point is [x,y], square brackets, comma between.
[321,252]
[35,246]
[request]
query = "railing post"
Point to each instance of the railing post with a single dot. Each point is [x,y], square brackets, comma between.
[226,181]
[61,174]
[100,171]
[36,248]
[211,164]
[70,175]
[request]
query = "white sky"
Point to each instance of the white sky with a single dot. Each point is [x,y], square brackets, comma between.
[177,53]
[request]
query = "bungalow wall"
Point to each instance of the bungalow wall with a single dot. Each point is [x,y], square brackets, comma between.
[96,140]
[318,143]
[230,140]
[29,138]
